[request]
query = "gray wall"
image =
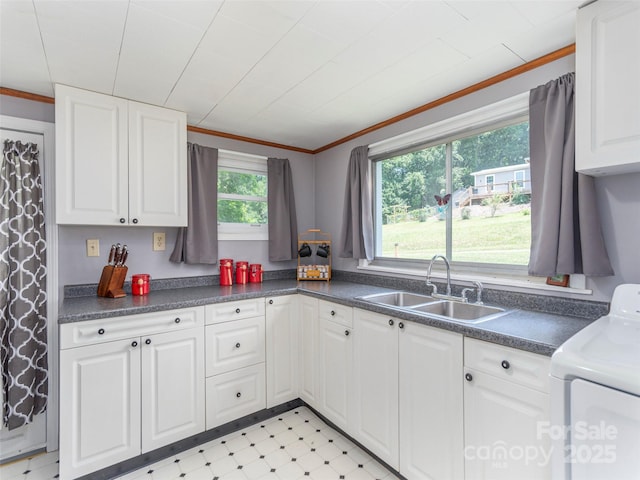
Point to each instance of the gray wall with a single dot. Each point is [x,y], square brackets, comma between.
[619,197]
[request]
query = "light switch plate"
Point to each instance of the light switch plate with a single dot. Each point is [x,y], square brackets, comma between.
[158,241]
[93,247]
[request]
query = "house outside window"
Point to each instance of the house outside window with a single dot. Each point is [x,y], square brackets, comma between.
[458,196]
[242,196]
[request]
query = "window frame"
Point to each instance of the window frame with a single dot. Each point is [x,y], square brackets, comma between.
[238,162]
[504,113]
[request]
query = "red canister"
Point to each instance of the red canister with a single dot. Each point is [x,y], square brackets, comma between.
[255,273]
[242,272]
[140,284]
[226,271]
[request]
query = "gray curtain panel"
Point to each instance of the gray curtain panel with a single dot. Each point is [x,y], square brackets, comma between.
[356,240]
[566,236]
[23,299]
[198,242]
[283,225]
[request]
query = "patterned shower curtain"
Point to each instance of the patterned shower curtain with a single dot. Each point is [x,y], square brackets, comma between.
[23,332]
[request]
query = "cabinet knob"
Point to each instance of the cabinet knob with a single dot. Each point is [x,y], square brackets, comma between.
[238,345]
[122,220]
[401,325]
[101,331]
[177,320]
[134,344]
[237,310]
[238,395]
[270,302]
[346,332]
[505,364]
[333,313]
[135,221]
[391,322]
[468,377]
[148,341]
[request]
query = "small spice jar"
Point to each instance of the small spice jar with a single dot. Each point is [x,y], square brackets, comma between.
[140,284]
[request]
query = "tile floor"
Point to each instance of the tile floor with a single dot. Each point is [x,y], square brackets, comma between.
[294,445]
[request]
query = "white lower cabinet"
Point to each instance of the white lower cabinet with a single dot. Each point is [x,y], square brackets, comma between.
[308,352]
[335,363]
[506,402]
[123,395]
[282,349]
[373,417]
[431,403]
[235,345]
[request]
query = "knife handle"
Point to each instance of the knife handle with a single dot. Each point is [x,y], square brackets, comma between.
[112,254]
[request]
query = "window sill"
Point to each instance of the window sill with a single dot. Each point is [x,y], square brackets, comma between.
[514,283]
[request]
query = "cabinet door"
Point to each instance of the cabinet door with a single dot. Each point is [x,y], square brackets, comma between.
[91,158]
[373,416]
[282,349]
[501,425]
[608,88]
[335,371]
[431,424]
[99,406]
[157,166]
[172,387]
[308,322]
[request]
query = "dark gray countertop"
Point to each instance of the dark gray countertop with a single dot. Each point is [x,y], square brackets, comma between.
[536,332]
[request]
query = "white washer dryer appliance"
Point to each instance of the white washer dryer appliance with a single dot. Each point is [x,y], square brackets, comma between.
[595,396]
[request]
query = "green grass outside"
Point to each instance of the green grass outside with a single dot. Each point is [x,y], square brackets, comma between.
[503,239]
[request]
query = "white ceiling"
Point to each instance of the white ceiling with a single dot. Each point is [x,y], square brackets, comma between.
[297,72]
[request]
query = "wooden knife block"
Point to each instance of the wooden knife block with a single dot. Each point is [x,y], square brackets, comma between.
[112,281]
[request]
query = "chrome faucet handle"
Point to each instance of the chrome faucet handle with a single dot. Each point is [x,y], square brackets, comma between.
[479,287]
[433,285]
[465,291]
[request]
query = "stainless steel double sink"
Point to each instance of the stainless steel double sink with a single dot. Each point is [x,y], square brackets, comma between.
[435,307]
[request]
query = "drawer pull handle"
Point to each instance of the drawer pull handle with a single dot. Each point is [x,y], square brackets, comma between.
[270,302]
[148,341]
[135,221]
[177,320]
[505,364]
[401,325]
[391,322]
[468,377]
[238,345]
[237,310]
[122,220]
[134,344]
[346,332]
[101,331]
[238,395]
[333,313]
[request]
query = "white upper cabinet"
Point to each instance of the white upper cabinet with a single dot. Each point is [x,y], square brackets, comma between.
[119,162]
[608,88]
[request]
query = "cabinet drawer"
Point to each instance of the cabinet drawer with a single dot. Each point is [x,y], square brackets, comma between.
[524,368]
[224,312]
[335,312]
[233,345]
[117,328]
[235,394]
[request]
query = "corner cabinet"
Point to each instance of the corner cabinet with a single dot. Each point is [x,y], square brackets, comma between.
[119,162]
[129,385]
[608,88]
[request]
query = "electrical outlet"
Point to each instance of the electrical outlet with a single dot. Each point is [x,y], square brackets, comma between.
[158,241]
[93,247]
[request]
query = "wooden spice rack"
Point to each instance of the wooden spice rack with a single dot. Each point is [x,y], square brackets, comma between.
[314,266]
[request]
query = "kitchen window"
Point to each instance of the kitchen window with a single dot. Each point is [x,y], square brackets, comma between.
[242,196]
[458,190]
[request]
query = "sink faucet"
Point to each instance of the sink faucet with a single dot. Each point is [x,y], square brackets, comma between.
[429,284]
[465,291]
